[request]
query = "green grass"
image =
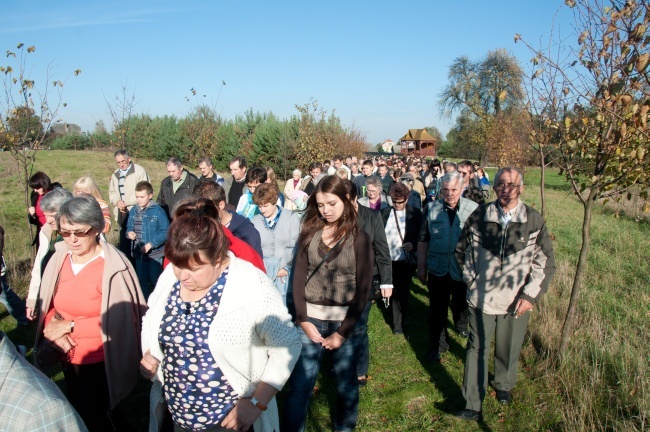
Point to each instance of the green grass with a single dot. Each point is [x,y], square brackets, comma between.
[601,384]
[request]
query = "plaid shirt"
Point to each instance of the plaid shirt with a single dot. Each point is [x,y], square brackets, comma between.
[29,401]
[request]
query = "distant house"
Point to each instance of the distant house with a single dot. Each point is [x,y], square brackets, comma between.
[418,142]
[65,129]
[387,146]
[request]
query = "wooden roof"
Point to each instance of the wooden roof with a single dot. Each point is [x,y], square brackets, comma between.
[417,135]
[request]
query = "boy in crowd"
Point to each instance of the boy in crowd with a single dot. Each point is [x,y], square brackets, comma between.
[147,228]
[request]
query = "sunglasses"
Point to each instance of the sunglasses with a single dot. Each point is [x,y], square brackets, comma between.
[399,202]
[78,234]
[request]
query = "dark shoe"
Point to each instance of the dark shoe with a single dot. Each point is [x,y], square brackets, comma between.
[504,397]
[468,414]
[398,331]
[363,380]
[434,356]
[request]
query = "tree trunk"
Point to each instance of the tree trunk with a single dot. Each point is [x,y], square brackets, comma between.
[567,328]
[542,178]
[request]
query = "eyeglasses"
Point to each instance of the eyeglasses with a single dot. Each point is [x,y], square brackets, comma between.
[78,234]
[399,202]
[507,186]
[463,173]
[406,179]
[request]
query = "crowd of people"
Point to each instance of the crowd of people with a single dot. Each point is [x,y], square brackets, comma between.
[224,291]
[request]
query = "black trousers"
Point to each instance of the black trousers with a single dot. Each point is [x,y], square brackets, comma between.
[87,391]
[441,289]
[402,276]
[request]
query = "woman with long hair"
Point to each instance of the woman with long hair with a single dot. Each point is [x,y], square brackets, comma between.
[332,277]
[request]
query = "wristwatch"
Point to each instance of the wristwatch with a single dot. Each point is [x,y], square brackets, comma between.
[258,404]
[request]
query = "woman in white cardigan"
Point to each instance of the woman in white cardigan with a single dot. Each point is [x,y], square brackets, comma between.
[216,333]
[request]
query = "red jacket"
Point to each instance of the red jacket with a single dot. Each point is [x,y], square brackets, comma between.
[241,249]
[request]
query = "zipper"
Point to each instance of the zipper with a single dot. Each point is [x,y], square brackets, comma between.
[503,243]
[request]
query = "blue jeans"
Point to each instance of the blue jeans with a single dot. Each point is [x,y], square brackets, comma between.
[14,304]
[148,271]
[363,364]
[303,378]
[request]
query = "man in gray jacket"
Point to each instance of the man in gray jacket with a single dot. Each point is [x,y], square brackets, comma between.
[443,222]
[506,258]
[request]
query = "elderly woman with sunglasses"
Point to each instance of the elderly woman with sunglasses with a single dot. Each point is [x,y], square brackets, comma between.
[91,310]
[402,225]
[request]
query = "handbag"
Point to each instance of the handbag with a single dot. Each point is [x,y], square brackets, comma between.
[47,355]
[410,257]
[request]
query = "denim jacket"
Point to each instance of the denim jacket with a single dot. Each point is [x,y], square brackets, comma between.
[443,237]
[154,227]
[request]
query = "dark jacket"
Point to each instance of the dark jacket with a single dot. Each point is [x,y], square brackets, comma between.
[243,229]
[370,221]
[474,191]
[167,198]
[413,223]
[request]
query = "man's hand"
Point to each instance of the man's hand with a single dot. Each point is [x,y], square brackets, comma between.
[65,343]
[31,313]
[522,307]
[146,248]
[282,273]
[121,205]
[131,235]
[408,247]
[386,292]
[32,210]
[148,365]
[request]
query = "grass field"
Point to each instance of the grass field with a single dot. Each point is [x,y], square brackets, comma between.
[601,383]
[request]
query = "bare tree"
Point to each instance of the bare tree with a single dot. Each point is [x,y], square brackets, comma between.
[27,111]
[120,108]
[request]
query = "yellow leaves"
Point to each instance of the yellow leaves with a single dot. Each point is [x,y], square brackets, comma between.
[570,3]
[642,62]
[567,122]
[583,37]
[31,49]
[638,32]
[537,73]
[625,99]
[77,72]
[517,37]
[11,54]
[502,95]
[565,91]
[20,45]
[640,153]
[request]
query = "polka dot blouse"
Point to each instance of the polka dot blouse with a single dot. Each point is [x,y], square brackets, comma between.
[197,393]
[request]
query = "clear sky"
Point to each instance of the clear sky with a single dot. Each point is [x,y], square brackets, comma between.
[380,65]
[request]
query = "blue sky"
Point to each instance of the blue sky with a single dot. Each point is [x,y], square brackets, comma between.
[380,65]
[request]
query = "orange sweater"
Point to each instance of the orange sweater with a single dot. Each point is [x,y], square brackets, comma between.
[79,298]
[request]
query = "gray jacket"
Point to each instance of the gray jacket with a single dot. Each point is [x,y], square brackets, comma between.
[443,237]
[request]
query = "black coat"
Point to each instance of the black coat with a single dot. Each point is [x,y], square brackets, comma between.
[167,198]
[413,223]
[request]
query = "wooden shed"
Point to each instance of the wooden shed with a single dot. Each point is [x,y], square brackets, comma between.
[418,142]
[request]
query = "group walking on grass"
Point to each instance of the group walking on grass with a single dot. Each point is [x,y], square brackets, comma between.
[224,291]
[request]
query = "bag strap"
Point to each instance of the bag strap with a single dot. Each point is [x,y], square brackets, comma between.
[327,255]
[397,223]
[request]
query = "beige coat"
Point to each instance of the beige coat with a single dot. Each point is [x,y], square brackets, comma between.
[123,307]
[134,175]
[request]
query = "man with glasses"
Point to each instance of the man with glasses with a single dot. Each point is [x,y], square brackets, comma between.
[506,258]
[444,220]
[121,193]
[471,183]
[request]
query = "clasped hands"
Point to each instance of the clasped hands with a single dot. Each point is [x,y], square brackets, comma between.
[331,342]
[58,331]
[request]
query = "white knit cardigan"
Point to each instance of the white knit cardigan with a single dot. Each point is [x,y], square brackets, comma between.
[251,338]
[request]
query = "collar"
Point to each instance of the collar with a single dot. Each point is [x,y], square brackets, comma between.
[182,178]
[493,212]
[273,222]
